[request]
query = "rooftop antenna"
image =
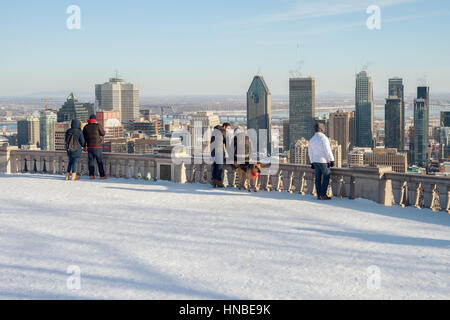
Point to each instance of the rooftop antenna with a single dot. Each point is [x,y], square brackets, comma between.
[297,72]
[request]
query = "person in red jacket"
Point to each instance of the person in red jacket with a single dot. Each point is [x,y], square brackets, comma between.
[93,134]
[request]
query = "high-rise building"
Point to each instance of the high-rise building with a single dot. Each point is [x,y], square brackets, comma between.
[286,135]
[341,128]
[445,143]
[302,104]
[28,132]
[421,126]
[393,132]
[300,154]
[120,96]
[47,119]
[59,135]
[396,89]
[445,118]
[72,109]
[364,105]
[90,107]
[259,112]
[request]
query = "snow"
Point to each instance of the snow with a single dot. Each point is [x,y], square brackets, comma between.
[158,240]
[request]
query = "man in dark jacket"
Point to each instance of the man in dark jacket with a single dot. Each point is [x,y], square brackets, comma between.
[93,134]
[74,144]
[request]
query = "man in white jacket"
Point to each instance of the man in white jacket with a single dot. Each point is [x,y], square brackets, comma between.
[322,159]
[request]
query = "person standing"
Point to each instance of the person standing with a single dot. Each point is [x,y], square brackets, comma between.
[74,143]
[322,159]
[93,134]
[217,153]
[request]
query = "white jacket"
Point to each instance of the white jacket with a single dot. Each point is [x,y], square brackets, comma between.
[319,149]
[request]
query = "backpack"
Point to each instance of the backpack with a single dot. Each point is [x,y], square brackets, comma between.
[72,144]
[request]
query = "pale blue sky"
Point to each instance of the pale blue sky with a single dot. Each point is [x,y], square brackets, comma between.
[215,47]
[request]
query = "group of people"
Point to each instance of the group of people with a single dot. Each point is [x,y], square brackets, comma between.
[319,151]
[89,139]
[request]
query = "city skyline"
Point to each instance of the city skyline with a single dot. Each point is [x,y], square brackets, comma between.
[182,54]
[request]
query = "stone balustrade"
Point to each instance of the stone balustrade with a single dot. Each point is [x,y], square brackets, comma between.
[377,184]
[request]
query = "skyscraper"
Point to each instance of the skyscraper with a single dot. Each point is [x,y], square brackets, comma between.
[393,121]
[259,112]
[72,109]
[445,118]
[421,126]
[364,110]
[396,89]
[285,135]
[28,131]
[47,119]
[120,96]
[341,129]
[302,104]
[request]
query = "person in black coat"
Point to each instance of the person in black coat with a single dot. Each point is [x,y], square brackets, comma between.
[74,145]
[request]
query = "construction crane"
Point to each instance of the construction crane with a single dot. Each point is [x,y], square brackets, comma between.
[46,100]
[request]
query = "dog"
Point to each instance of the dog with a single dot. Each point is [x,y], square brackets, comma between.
[248,173]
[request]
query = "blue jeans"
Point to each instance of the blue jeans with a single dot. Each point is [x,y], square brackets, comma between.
[97,155]
[322,178]
[217,171]
[72,166]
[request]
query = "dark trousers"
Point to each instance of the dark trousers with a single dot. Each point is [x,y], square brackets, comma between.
[96,154]
[322,178]
[217,171]
[72,166]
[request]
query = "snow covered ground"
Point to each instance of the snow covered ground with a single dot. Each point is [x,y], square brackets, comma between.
[157,240]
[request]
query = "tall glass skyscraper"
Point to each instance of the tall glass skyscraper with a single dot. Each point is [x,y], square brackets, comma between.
[47,119]
[421,126]
[302,104]
[259,112]
[364,110]
[396,91]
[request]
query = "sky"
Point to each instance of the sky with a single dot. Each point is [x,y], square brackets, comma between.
[211,47]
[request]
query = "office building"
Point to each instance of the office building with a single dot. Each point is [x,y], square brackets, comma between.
[393,122]
[301,108]
[421,126]
[59,135]
[364,105]
[117,95]
[387,157]
[341,127]
[445,118]
[72,109]
[396,90]
[286,135]
[47,119]
[28,132]
[259,113]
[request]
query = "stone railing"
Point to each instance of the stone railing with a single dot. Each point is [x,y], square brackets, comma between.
[377,184]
